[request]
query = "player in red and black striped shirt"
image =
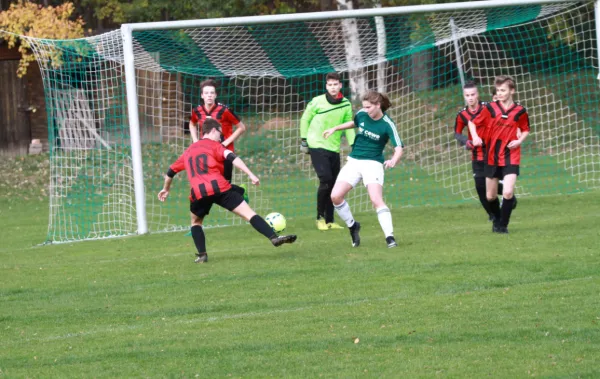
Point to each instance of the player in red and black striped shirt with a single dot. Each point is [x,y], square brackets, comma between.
[504,120]
[204,163]
[221,113]
[474,112]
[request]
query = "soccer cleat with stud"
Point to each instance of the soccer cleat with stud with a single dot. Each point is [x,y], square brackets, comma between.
[280,240]
[391,241]
[333,225]
[354,234]
[201,258]
[322,225]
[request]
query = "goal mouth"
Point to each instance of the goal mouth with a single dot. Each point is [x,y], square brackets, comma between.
[119,108]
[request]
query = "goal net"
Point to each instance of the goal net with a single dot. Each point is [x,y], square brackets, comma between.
[267,71]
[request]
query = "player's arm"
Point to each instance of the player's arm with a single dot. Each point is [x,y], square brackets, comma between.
[392,162]
[193,131]
[305,120]
[349,133]
[240,128]
[239,163]
[459,125]
[477,141]
[523,126]
[398,147]
[344,126]
[173,170]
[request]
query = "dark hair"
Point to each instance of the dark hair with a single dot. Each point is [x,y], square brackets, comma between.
[469,84]
[500,80]
[208,83]
[375,97]
[209,125]
[333,76]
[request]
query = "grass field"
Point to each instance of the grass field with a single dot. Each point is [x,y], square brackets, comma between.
[451,301]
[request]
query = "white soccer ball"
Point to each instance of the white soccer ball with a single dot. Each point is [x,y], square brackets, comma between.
[276,221]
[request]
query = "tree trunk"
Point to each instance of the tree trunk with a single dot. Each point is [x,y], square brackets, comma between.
[421,70]
[353,54]
[381,51]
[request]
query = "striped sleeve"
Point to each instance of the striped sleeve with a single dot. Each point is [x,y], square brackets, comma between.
[393,132]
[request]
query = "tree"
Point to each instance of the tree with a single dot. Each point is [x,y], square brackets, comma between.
[31,20]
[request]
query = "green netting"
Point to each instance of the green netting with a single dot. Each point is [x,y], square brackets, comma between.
[267,73]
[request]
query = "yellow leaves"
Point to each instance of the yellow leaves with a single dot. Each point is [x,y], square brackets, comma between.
[31,20]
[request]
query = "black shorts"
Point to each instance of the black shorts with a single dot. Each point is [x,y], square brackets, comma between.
[499,172]
[478,169]
[229,200]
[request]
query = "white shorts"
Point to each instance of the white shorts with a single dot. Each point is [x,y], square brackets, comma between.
[356,169]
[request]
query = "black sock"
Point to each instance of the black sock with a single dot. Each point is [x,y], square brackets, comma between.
[480,187]
[199,239]
[507,207]
[262,227]
[495,208]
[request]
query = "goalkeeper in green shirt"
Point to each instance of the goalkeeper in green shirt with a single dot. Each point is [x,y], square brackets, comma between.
[322,113]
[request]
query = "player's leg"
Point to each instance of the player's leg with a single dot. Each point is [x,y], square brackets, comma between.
[234,202]
[491,185]
[373,178]
[348,178]
[322,166]
[479,178]
[384,215]
[510,179]
[198,210]
[334,159]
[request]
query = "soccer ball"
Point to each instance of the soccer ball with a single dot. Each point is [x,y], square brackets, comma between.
[276,221]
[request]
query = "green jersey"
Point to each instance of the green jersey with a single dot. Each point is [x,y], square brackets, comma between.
[323,113]
[372,136]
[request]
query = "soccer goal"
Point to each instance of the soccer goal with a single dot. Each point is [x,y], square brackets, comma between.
[119,104]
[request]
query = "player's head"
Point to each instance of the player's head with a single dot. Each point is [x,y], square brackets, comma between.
[505,87]
[375,103]
[211,129]
[208,91]
[470,93]
[333,84]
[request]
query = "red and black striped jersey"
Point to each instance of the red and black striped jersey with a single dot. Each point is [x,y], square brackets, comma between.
[203,161]
[502,126]
[477,117]
[219,112]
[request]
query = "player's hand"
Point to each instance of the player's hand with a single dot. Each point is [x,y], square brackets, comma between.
[304,147]
[514,144]
[389,164]
[254,179]
[328,132]
[163,194]
[477,141]
[469,145]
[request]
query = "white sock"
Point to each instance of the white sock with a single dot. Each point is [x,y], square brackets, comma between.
[343,210]
[385,220]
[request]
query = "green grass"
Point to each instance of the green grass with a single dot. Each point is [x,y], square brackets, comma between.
[452,300]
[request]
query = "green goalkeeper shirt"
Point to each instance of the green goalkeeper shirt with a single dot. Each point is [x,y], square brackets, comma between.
[322,113]
[373,135]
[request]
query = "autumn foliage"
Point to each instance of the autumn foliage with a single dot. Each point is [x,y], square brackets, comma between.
[26,19]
